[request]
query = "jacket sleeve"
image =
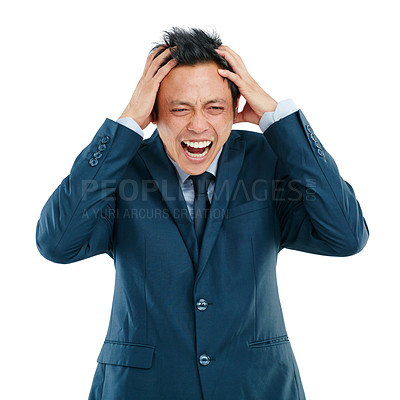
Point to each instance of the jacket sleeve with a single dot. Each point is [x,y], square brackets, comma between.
[317,210]
[77,220]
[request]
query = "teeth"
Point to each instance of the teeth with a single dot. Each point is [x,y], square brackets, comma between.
[197,155]
[197,145]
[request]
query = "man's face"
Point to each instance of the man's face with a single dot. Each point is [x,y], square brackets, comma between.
[194,106]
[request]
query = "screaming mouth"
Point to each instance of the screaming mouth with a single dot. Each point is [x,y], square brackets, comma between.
[196,152]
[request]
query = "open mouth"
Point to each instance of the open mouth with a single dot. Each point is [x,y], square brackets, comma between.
[197,149]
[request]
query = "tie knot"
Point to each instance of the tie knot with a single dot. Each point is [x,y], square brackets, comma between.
[201,182]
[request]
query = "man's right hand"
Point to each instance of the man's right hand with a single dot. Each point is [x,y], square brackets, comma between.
[141,105]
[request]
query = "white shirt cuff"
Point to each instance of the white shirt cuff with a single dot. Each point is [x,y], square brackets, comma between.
[131,124]
[283,109]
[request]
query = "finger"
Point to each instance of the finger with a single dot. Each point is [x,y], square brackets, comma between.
[235,78]
[164,71]
[151,57]
[156,59]
[158,51]
[229,51]
[233,59]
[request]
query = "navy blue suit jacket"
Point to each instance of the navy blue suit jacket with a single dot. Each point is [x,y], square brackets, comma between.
[189,325]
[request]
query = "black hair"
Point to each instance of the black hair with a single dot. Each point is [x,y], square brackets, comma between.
[194,46]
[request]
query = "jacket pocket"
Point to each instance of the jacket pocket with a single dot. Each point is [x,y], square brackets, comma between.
[245,208]
[268,342]
[126,354]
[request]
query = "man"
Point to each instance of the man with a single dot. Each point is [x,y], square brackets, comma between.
[194,218]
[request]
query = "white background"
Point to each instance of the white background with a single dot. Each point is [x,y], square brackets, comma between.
[66,66]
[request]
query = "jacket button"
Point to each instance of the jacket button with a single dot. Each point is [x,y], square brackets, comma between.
[102,147]
[321,152]
[93,162]
[105,139]
[97,154]
[204,359]
[201,304]
[310,130]
[317,145]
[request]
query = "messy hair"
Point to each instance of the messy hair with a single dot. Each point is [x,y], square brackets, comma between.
[194,46]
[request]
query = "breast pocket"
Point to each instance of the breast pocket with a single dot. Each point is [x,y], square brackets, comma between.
[259,344]
[246,208]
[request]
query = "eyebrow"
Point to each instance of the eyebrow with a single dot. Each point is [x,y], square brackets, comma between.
[188,103]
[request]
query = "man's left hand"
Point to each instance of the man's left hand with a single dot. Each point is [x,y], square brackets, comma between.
[257,100]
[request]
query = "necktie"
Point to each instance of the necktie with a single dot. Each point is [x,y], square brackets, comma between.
[201,203]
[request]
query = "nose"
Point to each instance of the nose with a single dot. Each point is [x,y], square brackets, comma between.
[198,123]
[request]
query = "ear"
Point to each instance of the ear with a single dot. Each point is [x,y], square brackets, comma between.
[237,105]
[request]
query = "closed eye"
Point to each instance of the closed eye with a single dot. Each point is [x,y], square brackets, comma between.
[215,110]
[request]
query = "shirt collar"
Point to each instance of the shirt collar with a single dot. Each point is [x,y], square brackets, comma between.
[183,175]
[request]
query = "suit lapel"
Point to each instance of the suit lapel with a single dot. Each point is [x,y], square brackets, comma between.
[229,165]
[165,176]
